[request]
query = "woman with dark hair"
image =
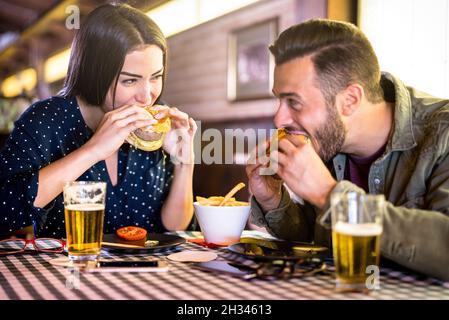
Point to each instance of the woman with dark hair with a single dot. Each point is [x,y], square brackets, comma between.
[117,67]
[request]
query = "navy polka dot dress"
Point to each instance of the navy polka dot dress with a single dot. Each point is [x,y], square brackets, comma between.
[49,130]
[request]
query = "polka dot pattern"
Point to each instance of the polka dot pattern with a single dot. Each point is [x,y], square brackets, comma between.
[49,130]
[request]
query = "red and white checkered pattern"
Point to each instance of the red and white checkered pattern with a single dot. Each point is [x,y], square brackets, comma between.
[30,276]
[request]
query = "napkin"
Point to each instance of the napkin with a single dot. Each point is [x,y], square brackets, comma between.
[192,256]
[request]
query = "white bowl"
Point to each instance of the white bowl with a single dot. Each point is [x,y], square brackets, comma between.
[221,225]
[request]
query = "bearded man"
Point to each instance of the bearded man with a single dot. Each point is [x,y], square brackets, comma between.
[368,133]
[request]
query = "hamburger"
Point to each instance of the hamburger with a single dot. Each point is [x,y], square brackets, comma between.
[282,133]
[150,138]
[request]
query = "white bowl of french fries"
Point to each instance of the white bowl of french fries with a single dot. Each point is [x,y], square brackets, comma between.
[222,219]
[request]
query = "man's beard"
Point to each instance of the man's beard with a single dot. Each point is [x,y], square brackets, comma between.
[330,135]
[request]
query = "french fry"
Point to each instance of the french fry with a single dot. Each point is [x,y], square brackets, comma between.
[226,201]
[236,203]
[216,198]
[227,204]
[232,192]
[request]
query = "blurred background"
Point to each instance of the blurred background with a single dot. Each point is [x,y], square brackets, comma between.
[219,66]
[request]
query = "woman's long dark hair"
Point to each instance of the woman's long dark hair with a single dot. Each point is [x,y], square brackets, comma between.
[99,48]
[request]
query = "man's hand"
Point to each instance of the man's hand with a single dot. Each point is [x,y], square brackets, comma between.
[265,188]
[300,167]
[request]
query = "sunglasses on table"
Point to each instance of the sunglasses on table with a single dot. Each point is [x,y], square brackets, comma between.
[48,245]
[284,269]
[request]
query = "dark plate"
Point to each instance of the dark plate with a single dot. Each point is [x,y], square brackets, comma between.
[261,249]
[166,241]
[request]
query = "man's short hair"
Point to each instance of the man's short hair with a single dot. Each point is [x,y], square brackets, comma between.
[341,53]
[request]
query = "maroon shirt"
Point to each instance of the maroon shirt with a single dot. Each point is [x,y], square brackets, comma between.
[357,168]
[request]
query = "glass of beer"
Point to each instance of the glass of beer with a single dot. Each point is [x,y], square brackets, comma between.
[84,204]
[356,231]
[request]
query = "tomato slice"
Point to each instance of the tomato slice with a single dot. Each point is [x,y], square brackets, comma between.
[131,233]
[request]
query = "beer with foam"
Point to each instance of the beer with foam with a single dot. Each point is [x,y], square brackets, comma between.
[356,233]
[84,209]
[356,246]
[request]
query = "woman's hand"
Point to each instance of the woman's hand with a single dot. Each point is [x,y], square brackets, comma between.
[113,129]
[178,142]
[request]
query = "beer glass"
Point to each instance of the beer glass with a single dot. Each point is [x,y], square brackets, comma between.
[356,231]
[84,204]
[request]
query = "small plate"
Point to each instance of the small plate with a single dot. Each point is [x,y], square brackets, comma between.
[166,241]
[261,249]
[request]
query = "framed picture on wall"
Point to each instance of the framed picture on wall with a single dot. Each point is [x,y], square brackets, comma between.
[250,63]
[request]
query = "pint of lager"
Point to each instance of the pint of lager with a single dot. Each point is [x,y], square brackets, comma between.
[84,225]
[356,231]
[84,205]
[356,246]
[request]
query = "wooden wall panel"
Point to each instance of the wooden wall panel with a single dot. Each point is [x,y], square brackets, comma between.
[197,71]
[217,179]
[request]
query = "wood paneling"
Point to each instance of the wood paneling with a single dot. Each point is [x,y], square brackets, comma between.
[197,70]
[217,179]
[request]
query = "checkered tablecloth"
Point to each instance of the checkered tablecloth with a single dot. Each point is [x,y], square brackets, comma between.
[31,276]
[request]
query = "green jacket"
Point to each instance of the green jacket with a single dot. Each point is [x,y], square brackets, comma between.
[413,174]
